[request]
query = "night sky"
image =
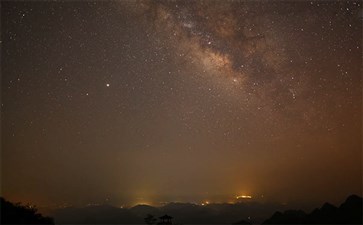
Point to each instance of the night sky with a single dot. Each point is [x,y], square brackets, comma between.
[130,102]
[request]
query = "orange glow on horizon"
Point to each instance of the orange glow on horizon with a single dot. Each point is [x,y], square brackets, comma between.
[243,197]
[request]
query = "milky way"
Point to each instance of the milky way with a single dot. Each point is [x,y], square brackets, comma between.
[154,101]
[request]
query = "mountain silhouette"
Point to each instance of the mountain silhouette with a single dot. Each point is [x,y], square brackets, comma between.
[182,213]
[101,214]
[349,212]
[142,210]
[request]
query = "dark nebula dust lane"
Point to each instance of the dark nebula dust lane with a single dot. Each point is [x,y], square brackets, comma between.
[154,101]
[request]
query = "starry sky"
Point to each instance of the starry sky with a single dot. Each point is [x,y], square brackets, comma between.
[148,101]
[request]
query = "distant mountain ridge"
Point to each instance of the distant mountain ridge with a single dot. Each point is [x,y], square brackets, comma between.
[349,212]
[101,214]
[182,213]
[142,210]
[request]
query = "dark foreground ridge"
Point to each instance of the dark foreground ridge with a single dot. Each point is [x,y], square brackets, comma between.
[19,214]
[350,212]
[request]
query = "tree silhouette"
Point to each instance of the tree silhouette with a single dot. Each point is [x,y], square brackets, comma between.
[350,212]
[150,219]
[19,214]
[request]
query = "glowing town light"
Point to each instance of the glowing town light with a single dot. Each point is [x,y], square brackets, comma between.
[244,197]
[205,203]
